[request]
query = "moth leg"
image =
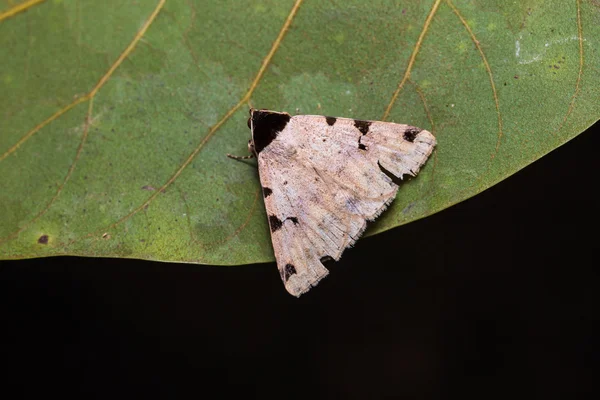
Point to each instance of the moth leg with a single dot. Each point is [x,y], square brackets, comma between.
[240,157]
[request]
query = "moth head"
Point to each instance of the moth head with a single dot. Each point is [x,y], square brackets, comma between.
[251,147]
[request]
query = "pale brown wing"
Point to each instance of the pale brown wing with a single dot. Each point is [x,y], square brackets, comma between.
[322,181]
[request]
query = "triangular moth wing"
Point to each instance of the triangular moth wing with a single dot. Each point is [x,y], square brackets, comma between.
[322,181]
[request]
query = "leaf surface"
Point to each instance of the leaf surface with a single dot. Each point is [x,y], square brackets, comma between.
[115,117]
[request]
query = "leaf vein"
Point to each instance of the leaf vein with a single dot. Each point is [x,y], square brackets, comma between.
[266,62]
[579,73]
[412,58]
[490,76]
[433,130]
[64,182]
[11,12]
[96,88]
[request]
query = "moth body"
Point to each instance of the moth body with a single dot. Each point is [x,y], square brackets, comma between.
[323,178]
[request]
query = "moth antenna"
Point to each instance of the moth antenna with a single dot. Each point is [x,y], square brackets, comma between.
[240,157]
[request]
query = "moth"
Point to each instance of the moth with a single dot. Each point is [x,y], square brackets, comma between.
[323,178]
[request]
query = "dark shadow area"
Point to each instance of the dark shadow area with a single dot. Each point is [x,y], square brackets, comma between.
[492,298]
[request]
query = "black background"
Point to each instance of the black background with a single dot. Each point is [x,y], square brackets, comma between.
[493,297]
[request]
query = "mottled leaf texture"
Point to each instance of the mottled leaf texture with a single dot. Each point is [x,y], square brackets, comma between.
[115,116]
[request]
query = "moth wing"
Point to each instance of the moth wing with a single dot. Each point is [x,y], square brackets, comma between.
[400,149]
[322,182]
[310,217]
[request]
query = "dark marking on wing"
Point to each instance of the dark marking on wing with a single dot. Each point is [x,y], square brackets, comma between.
[325,259]
[397,180]
[43,239]
[362,126]
[266,192]
[266,126]
[288,271]
[293,219]
[411,133]
[330,120]
[360,145]
[275,223]
[351,205]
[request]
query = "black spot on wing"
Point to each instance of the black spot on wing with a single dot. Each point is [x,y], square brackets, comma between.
[397,180]
[266,126]
[330,120]
[43,239]
[360,145]
[288,271]
[325,259]
[266,192]
[411,133]
[275,223]
[362,126]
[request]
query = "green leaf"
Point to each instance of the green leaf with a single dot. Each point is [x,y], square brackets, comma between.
[115,117]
